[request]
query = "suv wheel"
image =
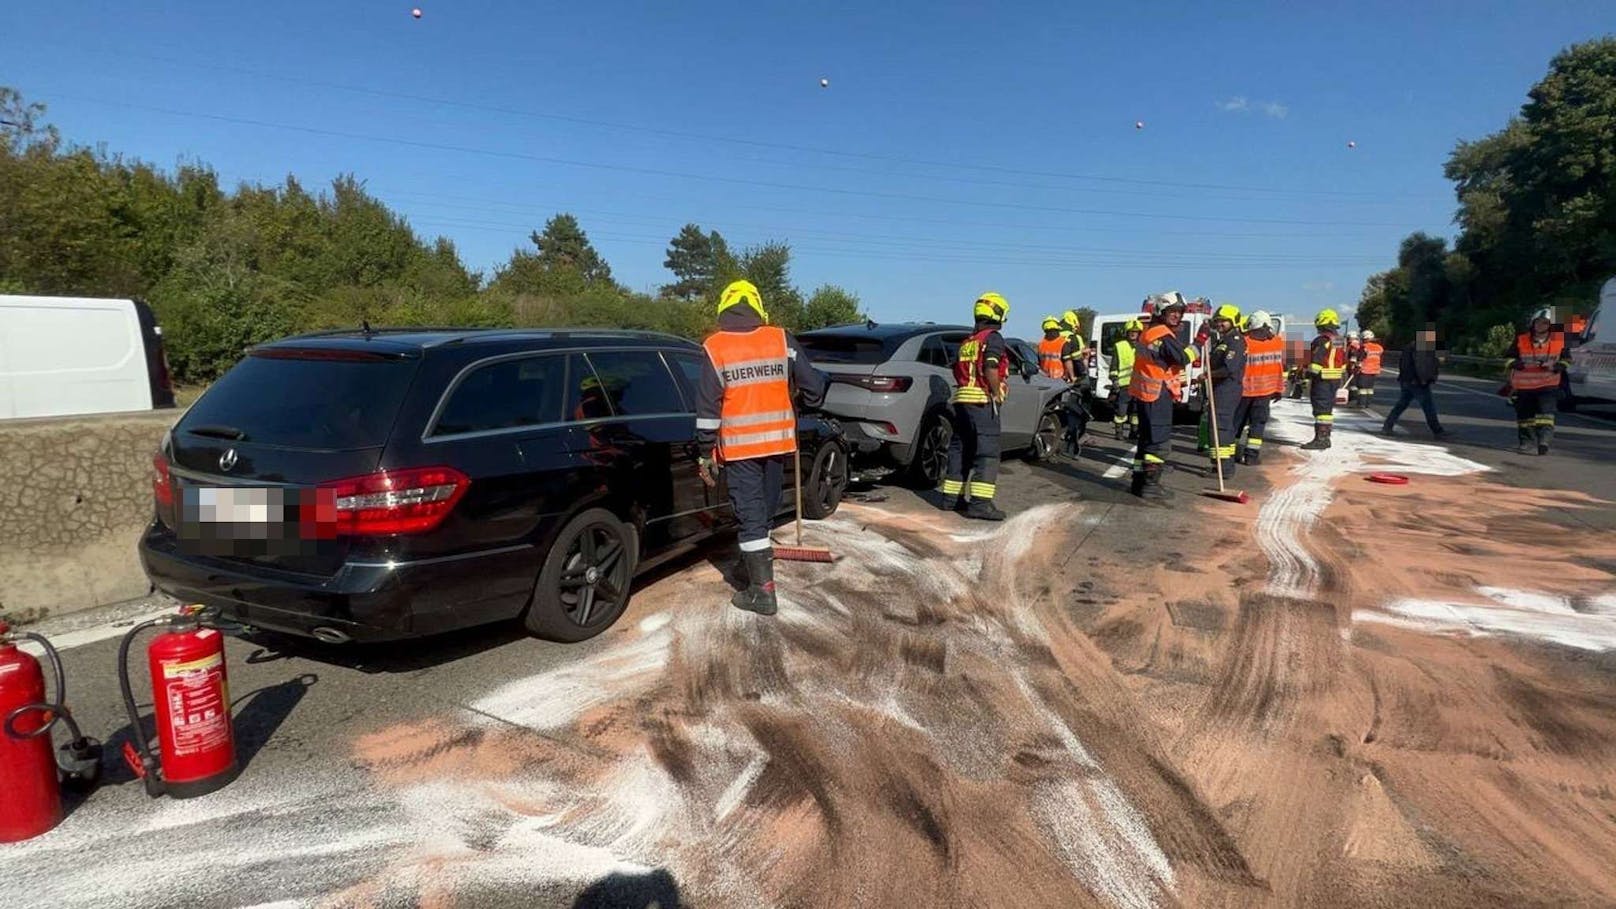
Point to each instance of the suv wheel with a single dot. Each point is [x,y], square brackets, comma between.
[1046,441]
[584,585]
[931,451]
[827,479]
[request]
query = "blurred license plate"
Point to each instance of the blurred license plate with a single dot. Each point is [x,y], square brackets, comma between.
[234,505]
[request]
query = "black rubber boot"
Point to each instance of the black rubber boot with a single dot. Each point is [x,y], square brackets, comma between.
[1121,430]
[759,595]
[960,504]
[983,510]
[1253,456]
[1545,434]
[1321,438]
[1153,489]
[1228,467]
[1136,486]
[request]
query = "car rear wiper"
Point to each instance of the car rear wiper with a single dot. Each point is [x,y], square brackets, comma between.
[217,431]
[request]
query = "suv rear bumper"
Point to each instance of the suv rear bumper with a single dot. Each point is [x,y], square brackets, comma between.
[362,602]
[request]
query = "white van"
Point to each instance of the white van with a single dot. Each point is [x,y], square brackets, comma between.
[1593,362]
[62,356]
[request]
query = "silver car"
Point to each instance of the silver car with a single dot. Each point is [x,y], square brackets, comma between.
[890,385]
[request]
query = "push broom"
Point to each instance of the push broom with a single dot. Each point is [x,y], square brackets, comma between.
[799,552]
[1227,495]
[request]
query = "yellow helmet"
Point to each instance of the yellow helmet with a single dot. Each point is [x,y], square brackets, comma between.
[1070,320]
[1051,323]
[1132,325]
[739,292]
[991,306]
[1227,311]
[1327,318]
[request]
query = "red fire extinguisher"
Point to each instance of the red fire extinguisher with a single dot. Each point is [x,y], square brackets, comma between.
[29,772]
[191,700]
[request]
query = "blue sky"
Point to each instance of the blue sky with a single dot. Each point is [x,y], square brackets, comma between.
[960,147]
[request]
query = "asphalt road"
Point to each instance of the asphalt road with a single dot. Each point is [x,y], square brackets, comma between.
[300,707]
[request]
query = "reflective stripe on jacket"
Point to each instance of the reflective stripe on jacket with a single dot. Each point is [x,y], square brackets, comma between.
[756,419]
[971,371]
[1049,357]
[1371,358]
[1535,362]
[1265,367]
[1150,373]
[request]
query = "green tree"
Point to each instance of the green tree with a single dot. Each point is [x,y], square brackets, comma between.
[695,258]
[1086,316]
[830,305]
[563,246]
[1374,308]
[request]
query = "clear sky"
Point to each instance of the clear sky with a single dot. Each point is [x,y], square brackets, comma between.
[959,147]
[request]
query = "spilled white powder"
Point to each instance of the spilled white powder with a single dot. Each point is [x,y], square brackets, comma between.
[1533,616]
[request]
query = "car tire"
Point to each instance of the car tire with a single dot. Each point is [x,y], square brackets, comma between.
[1046,438]
[825,483]
[585,583]
[930,461]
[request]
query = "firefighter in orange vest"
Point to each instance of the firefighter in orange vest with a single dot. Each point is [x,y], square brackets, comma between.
[1540,359]
[1326,367]
[1158,369]
[1262,383]
[1052,350]
[746,424]
[980,383]
[1369,365]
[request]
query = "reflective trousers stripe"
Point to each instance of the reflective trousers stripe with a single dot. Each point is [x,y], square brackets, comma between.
[1326,418]
[982,490]
[951,487]
[756,545]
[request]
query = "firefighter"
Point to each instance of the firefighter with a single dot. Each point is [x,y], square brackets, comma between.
[980,384]
[1262,384]
[1124,418]
[1327,364]
[746,423]
[1076,369]
[1369,365]
[1540,359]
[1226,365]
[1158,368]
[1349,380]
[1052,350]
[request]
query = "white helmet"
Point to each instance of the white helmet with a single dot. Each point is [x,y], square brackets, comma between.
[1368,335]
[1543,314]
[1352,336]
[1259,319]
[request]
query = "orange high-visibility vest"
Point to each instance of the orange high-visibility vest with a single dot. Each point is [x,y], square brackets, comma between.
[1371,358]
[1150,374]
[1537,362]
[1265,368]
[1049,357]
[755,418]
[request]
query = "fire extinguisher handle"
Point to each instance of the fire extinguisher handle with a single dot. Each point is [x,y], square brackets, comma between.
[137,738]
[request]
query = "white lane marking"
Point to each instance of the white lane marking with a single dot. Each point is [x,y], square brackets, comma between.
[1120,465]
[92,634]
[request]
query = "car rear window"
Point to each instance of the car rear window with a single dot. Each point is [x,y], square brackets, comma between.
[823,348]
[320,399]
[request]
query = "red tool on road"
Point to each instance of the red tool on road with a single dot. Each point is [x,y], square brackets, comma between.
[191,699]
[28,770]
[1389,479]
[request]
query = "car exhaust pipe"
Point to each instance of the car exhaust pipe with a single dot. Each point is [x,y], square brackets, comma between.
[330,635]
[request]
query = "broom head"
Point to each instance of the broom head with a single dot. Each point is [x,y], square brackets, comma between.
[802,554]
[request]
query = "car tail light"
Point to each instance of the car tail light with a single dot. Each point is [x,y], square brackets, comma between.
[386,503]
[163,488]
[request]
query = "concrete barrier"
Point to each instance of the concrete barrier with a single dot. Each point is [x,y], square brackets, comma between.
[74,495]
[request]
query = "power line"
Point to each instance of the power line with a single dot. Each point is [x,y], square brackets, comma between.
[659,172]
[756,143]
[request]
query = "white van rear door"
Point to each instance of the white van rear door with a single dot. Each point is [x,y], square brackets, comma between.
[69,355]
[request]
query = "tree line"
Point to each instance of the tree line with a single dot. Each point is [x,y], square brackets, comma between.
[1536,218]
[228,268]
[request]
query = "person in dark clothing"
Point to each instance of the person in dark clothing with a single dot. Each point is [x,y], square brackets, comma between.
[1226,367]
[1417,368]
[746,424]
[980,369]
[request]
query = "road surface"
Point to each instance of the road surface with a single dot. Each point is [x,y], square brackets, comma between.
[1340,694]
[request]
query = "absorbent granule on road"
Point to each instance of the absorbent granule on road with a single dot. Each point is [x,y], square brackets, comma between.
[889,739]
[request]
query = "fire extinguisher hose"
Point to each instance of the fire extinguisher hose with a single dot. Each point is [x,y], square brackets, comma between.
[137,734]
[56,708]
